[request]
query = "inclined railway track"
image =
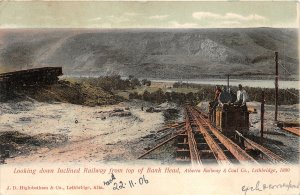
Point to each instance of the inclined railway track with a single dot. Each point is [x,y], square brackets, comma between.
[202,143]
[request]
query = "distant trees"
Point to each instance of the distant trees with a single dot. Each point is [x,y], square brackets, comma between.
[206,93]
[146,96]
[135,95]
[130,77]
[203,92]
[146,82]
[135,82]
[159,96]
[114,82]
[286,96]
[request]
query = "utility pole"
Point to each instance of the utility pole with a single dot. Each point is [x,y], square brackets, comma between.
[276,85]
[262,114]
[228,83]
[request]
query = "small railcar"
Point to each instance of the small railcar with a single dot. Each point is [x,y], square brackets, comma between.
[229,118]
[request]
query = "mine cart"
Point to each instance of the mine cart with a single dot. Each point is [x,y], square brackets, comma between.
[229,117]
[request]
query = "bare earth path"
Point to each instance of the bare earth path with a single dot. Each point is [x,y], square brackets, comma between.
[89,136]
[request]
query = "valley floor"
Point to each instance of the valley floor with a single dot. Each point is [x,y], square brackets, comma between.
[61,132]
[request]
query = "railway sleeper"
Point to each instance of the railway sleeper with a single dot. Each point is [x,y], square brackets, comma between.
[183,160]
[182,152]
[208,155]
[182,144]
[236,152]
[182,139]
[203,147]
[206,152]
[200,140]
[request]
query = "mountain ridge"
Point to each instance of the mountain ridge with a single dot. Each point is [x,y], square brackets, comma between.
[155,53]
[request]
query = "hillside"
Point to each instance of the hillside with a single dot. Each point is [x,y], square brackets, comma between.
[67,91]
[164,53]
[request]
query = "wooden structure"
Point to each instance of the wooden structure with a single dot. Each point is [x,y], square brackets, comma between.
[293,130]
[230,118]
[30,77]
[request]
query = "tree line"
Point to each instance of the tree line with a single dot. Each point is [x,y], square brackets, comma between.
[116,82]
[207,92]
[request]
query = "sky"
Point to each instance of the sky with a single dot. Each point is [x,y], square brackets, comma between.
[116,14]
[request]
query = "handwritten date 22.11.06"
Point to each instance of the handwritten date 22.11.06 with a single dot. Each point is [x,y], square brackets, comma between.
[131,183]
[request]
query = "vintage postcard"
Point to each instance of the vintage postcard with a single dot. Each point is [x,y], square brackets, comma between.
[149,97]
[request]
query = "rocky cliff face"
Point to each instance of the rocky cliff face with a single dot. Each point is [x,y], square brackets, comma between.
[185,53]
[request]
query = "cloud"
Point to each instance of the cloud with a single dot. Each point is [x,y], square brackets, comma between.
[96,19]
[158,17]
[227,16]
[101,25]
[244,18]
[131,14]
[206,15]
[12,26]
[175,24]
[231,23]
[125,17]
[117,19]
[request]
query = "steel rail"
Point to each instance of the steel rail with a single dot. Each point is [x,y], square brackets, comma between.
[194,153]
[236,151]
[274,158]
[161,144]
[215,148]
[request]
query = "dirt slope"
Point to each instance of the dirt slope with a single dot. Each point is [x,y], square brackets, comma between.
[80,93]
